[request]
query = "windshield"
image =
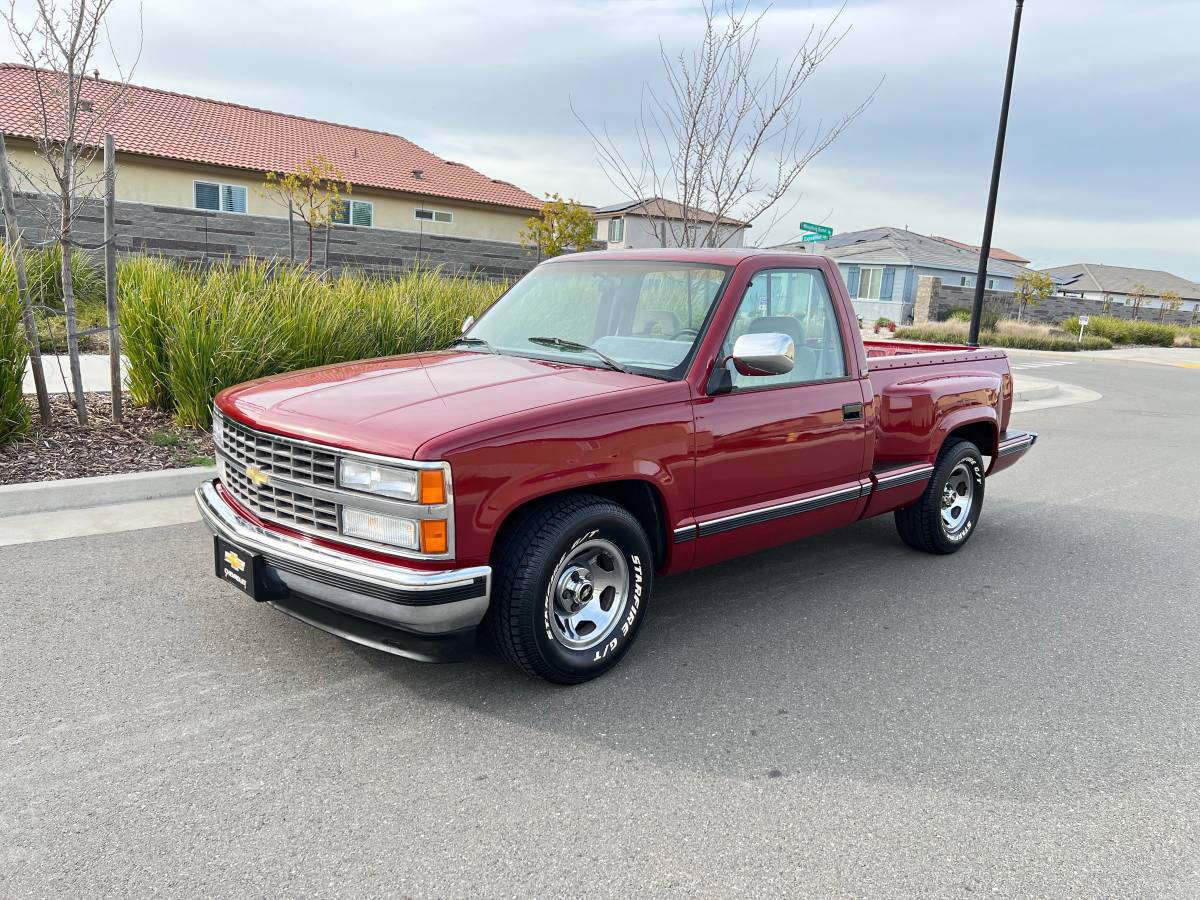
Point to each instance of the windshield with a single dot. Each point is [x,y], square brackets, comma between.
[644,316]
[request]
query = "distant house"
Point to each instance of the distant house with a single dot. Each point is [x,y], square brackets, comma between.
[655,222]
[190,173]
[996,252]
[881,267]
[1114,285]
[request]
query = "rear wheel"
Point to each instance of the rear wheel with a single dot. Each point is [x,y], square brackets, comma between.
[572,579]
[945,516]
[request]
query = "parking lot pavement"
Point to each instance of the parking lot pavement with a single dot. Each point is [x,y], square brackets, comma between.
[839,717]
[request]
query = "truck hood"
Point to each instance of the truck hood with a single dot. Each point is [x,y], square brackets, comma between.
[392,406]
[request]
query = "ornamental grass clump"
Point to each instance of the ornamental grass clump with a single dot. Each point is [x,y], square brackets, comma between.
[190,333]
[1127,331]
[14,350]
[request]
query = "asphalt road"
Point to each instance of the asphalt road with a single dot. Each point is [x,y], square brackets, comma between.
[838,717]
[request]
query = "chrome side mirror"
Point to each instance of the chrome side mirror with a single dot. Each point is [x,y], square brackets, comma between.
[770,353]
[467,323]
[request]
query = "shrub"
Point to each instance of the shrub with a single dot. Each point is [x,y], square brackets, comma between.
[189,334]
[885,322]
[987,320]
[948,333]
[14,413]
[1126,331]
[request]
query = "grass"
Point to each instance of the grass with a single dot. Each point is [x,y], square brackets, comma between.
[43,273]
[1126,331]
[165,439]
[14,412]
[1005,333]
[188,333]
[201,461]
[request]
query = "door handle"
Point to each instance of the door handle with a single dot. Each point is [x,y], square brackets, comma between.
[851,411]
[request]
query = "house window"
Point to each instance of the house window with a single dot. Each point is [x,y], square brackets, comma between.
[967,281]
[870,282]
[434,215]
[355,212]
[616,230]
[991,284]
[602,230]
[220,197]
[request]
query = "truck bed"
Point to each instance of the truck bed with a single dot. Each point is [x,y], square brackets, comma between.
[887,355]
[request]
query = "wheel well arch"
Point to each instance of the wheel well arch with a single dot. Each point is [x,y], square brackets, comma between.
[642,498]
[982,434]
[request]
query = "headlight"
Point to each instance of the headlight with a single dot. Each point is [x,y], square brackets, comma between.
[378,527]
[218,430]
[425,486]
[402,484]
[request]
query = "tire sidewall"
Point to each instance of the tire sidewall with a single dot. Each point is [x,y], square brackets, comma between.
[631,541]
[970,455]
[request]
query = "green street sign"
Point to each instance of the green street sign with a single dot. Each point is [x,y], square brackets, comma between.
[822,230]
[813,237]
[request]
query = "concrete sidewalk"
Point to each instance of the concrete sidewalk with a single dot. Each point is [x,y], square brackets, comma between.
[93,366]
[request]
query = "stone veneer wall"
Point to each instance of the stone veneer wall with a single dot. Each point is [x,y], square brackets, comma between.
[200,235]
[935,299]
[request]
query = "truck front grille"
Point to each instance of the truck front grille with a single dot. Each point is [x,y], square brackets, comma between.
[291,461]
[278,504]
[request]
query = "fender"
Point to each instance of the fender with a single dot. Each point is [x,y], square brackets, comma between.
[653,446]
[916,415]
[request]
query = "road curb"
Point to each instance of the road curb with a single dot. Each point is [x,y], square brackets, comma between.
[101,490]
[1042,392]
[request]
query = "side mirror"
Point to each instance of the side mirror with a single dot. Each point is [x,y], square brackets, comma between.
[467,323]
[771,353]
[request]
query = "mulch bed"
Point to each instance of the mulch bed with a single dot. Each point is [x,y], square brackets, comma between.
[68,450]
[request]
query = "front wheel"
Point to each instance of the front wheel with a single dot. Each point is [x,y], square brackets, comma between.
[945,516]
[572,580]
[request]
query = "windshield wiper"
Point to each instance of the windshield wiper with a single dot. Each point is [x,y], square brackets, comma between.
[476,342]
[576,347]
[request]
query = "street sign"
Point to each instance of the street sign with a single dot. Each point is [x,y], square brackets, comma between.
[822,230]
[1083,320]
[807,238]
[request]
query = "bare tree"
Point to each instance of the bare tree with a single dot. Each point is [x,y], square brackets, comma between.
[724,138]
[60,42]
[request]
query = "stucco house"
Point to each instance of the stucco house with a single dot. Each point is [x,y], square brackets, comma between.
[655,222]
[191,171]
[1113,286]
[881,267]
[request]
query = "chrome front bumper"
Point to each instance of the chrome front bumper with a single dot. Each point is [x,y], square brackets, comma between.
[339,592]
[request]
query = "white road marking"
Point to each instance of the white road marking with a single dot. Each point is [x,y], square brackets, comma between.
[1040,365]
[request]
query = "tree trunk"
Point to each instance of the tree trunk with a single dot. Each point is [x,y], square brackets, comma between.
[68,286]
[110,275]
[291,234]
[308,263]
[13,233]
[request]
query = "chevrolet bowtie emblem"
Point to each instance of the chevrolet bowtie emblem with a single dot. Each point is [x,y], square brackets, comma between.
[234,561]
[257,475]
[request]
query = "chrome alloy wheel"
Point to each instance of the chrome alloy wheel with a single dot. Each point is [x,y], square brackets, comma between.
[958,495]
[591,590]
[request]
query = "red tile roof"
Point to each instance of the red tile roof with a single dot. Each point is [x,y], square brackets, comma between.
[997,253]
[165,124]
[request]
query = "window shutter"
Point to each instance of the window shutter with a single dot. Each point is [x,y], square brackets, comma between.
[889,276]
[233,198]
[361,213]
[208,196]
[852,280]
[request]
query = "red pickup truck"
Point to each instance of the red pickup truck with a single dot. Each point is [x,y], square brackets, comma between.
[615,417]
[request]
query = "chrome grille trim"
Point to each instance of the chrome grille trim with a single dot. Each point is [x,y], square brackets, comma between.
[302,492]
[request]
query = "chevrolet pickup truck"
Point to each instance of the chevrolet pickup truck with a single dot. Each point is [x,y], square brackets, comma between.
[614,418]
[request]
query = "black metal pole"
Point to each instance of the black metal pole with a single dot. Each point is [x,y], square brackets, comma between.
[985,248]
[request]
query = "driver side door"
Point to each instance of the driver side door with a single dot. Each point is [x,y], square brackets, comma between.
[780,457]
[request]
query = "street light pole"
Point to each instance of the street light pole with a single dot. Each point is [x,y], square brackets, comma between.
[985,248]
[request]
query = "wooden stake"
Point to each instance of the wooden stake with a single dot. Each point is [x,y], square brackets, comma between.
[13,233]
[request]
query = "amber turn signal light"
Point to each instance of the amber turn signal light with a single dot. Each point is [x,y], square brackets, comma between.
[433,536]
[433,487]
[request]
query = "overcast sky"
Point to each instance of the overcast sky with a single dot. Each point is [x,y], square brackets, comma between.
[1104,134]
